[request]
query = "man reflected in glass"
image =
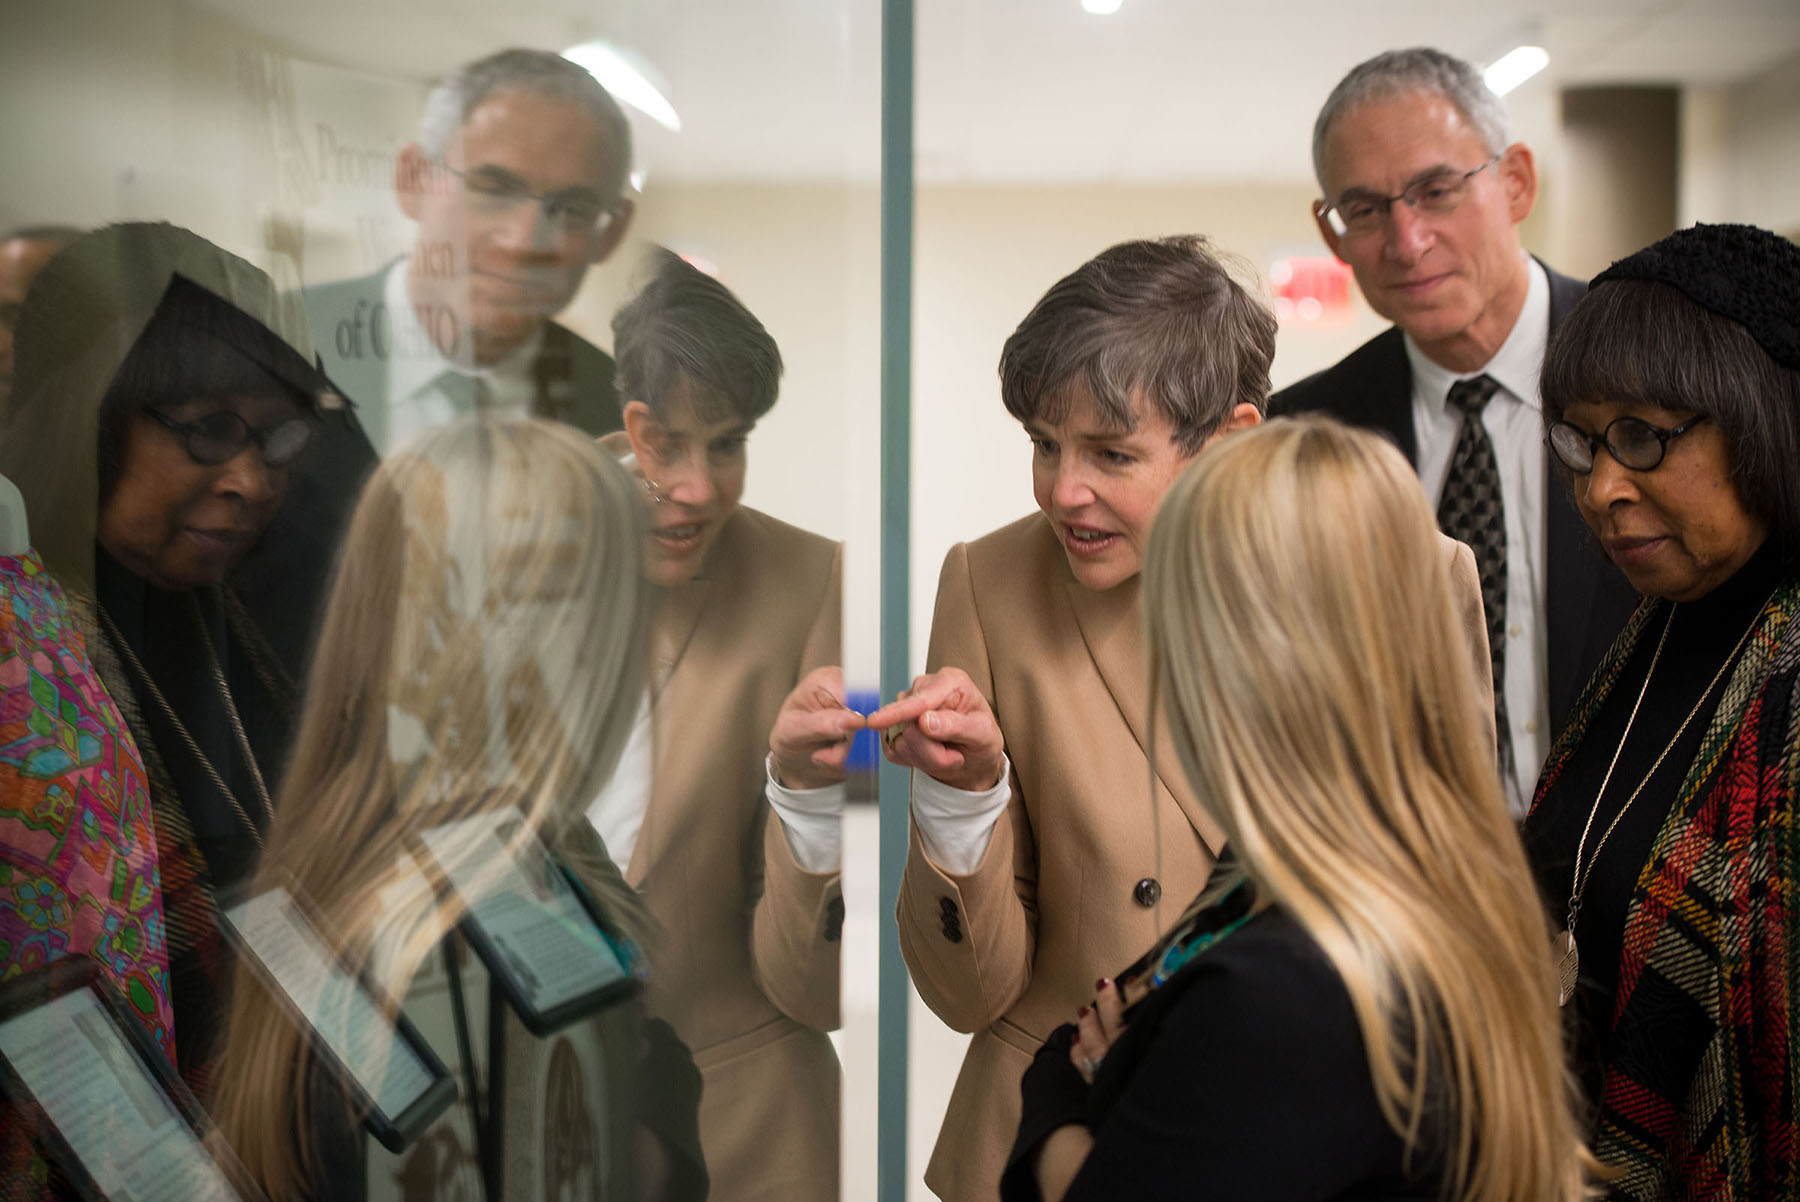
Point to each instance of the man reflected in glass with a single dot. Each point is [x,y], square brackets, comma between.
[516,183]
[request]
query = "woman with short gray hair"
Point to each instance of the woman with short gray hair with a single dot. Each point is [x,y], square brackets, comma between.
[1035,864]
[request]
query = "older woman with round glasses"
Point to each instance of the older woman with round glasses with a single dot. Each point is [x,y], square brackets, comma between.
[1634,442]
[1664,832]
[164,396]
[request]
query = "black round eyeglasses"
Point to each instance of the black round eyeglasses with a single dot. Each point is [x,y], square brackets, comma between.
[1632,441]
[219,437]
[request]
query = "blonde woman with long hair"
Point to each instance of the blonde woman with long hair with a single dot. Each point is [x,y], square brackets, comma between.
[482,651]
[1362,1003]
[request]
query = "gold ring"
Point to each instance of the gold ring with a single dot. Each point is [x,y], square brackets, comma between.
[892,734]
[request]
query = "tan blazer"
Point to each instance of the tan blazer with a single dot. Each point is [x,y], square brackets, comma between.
[745,966]
[1071,887]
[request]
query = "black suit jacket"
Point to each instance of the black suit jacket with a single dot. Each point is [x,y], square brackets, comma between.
[1587,599]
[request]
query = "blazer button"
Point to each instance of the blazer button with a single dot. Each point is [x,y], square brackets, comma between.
[947,908]
[952,930]
[1147,892]
[834,920]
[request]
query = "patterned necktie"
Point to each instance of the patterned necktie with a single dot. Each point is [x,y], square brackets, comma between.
[467,393]
[1471,510]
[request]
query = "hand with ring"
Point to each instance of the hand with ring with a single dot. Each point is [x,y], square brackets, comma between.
[943,727]
[1097,1028]
[811,739]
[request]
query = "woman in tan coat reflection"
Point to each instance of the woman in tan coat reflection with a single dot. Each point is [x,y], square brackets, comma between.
[747,619]
[1037,862]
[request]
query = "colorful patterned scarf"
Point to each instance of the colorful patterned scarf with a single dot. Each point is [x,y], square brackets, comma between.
[78,842]
[199,971]
[1699,1091]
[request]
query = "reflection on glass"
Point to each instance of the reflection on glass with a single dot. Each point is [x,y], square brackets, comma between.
[430,711]
[516,186]
[743,656]
[114,1117]
[143,537]
[437,238]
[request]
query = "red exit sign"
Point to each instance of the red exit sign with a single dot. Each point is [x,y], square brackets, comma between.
[1310,287]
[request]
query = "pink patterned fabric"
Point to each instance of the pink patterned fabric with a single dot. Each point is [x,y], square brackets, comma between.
[78,862]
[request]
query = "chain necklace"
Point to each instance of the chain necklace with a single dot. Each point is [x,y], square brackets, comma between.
[231,711]
[1568,957]
[168,711]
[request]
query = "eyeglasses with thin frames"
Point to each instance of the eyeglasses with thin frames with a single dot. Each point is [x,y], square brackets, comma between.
[572,210]
[219,437]
[1633,442]
[1437,194]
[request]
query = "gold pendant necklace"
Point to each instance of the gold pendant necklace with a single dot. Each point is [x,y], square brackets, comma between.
[1562,945]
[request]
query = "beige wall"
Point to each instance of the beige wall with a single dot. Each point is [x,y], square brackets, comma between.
[1618,189]
[1740,151]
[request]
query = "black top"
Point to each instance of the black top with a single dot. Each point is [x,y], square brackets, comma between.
[1702,634]
[162,630]
[1245,1076]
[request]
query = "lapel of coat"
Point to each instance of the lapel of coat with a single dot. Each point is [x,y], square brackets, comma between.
[672,629]
[1378,394]
[573,382]
[1112,627]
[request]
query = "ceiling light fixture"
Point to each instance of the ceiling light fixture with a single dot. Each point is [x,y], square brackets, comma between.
[1514,68]
[1101,8]
[628,83]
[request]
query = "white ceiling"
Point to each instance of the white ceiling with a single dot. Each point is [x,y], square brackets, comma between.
[1033,90]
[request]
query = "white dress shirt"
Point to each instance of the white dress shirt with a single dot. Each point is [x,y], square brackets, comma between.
[956,825]
[812,819]
[415,401]
[1514,421]
[617,814]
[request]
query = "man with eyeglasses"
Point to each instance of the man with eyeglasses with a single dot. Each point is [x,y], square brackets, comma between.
[517,186]
[1423,199]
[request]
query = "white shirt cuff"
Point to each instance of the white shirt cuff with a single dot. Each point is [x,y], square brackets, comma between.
[954,825]
[812,820]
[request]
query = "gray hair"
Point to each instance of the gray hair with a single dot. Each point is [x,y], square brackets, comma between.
[1401,72]
[518,70]
[686,325]
[1163,320]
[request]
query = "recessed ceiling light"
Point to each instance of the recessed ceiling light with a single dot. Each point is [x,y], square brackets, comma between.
[1515,67]
[1101,8]
[627,82]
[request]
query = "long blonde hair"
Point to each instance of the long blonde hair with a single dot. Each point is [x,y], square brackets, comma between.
[428,703]
[1303,637]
